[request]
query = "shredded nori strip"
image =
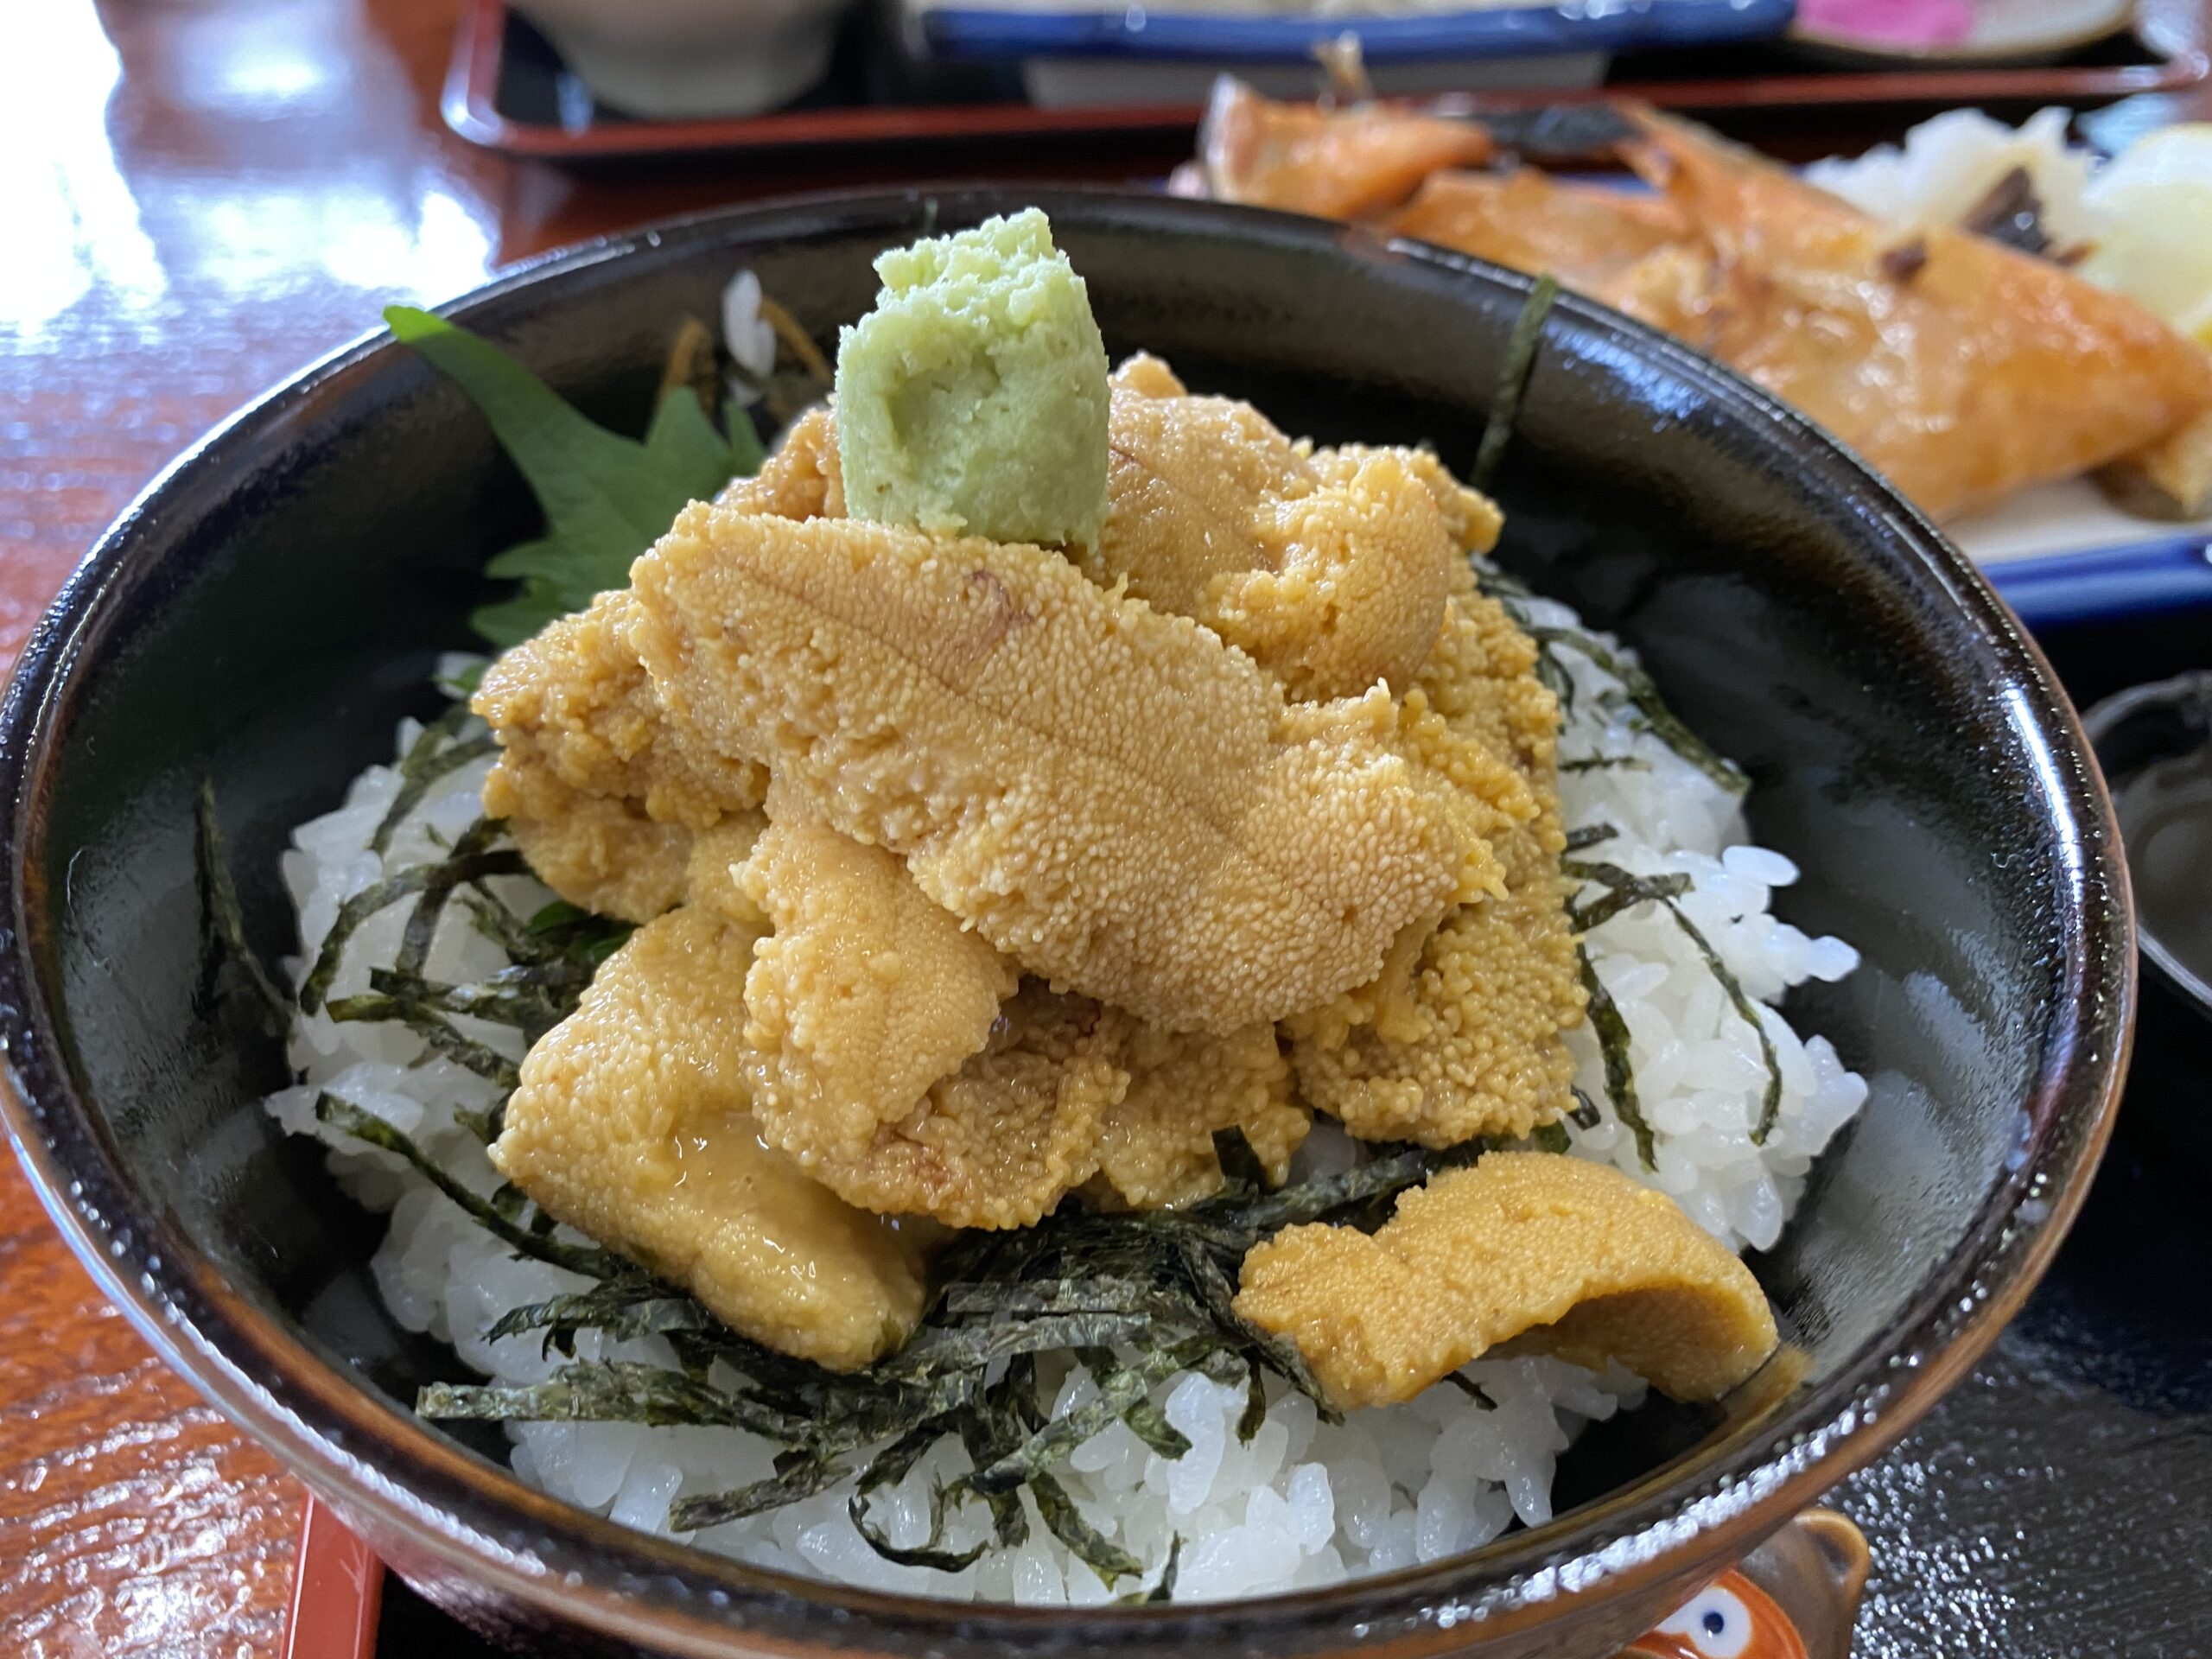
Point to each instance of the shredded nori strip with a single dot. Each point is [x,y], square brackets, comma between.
[600,1391]
[1623,891]
[1092,1547]
[1005,1414]
[1473,1390]
[1123,1388]
[437,750]
[472,860]
[1611,1031]
[437,1032]
[1164,1589]
[1586,1115]
[1605,763]
[889,1467]
[1519,362]
[224,919]
[1771,1102]
[1658,718]
[1637,686]
[529,999]
[422,928]
[620,1308]
[1588,836]
[587,1259]
[802,1479]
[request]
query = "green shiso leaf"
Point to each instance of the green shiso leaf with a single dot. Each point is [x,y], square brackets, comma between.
[606,498]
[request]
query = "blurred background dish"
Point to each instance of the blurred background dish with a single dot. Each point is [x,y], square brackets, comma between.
[674,58]
[1076,51]
[509,88]
[2155,744]
[1955,32]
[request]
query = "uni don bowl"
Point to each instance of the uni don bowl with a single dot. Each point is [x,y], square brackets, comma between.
[273,605]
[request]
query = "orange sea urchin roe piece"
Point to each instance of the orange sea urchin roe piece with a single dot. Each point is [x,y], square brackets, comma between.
[1329,568]
[1459,1036]
[1110,795]
[632,1123]
[1156,1147]
[999,1142]
[601,790]
[801,478]
[1569,1257]
[865,993]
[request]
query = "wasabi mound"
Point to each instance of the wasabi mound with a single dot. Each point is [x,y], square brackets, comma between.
[972,400]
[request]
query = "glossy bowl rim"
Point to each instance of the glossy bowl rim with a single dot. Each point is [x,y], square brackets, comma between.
[415,1485]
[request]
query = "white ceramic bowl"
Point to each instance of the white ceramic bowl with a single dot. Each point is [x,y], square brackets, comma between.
[669,60]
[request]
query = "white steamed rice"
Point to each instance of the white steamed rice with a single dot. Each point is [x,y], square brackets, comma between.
[1303,1504]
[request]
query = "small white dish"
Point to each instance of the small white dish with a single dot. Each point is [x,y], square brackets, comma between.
[676,60]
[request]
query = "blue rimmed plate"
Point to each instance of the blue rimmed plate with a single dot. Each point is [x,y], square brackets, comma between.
[2061,553]
[1200,31]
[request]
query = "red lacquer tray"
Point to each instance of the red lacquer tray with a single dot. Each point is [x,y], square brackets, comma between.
[506,90]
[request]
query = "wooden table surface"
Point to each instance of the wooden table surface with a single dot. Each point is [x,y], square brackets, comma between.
[199,196]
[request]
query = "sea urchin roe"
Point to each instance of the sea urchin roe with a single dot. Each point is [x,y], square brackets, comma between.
[1156,1147]
[1109,795]
[801,478]
[972,399]
[1555,1254]
[999,1141]
[632,1122]
[865,993]
[1464,1039]
[1331,570]
[600,789]
[601,853]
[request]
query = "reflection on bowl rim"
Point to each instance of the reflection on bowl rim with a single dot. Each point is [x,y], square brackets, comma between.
[412,1486]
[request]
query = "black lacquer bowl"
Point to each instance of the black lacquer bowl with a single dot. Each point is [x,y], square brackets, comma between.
[272,605]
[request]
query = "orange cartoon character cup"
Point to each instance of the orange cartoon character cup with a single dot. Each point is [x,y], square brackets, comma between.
[1730,1619]
[1794,1597]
